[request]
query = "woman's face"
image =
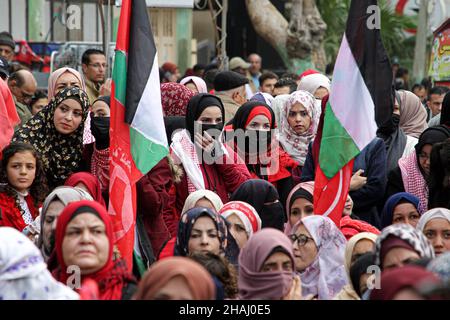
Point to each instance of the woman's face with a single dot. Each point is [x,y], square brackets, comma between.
[277,262]
[361,247]
[437,232]
[66,80]
[348,206]
[237,230]
[300,208]
[320,93]
[205,203]
[304,254]
[210,115]
[21,170]
[424,158]
[405,213]
[298,118]
[68,116]
[38,105]
[85,243]
[176,288]
[260,122]
[398,257]
[48,229]
[100,109]
[191,85]
[204,237]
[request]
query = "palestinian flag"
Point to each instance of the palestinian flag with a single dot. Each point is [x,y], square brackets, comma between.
[137,133]
[360,104]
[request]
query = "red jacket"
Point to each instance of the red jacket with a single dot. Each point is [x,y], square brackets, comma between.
[10,215]
[153,202]
[222,179]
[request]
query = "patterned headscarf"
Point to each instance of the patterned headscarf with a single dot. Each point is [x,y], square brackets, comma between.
[407,233]
[326,276]
[23,272]
[175,98]
[61,154]
[187,222]
[297,144]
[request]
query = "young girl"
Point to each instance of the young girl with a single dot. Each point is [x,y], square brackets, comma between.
[22,187]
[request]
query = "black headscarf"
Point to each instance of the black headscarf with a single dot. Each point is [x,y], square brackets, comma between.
[445,111]
[439,194]
[61,154]
[257,192]
[359,268]
[105,99]
[241,116]
[395,141]
[172,124]
[197,105]
[431,136]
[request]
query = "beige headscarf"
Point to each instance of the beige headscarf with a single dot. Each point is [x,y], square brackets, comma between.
[192,199]
[413,116]
[348,292]
[64,194]
[55,76]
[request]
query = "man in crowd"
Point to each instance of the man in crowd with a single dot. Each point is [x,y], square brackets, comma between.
[254,71]
[420,91]
[7,46]
[23,85]
[284,86]
[230,88]
[94,66]
[267,82]
[434,105]
[238,65]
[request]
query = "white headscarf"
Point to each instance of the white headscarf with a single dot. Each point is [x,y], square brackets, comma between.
[193,198]
[278,105]
[312,82]
[435,213]
[23,272]
[326,276]
[297,144]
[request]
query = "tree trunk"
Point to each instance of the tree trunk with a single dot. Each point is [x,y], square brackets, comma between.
[299,42]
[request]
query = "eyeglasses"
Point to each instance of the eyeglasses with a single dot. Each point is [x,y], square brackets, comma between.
[302,239]
[98,65]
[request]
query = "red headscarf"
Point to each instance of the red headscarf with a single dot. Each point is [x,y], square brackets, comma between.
[349,227]
[8,116]
[90,181]
[114,275]
[169,66]
[175,98]
[394,280]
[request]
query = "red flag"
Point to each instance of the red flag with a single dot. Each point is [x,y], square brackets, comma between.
[8,116]
[329,195]
[122,190]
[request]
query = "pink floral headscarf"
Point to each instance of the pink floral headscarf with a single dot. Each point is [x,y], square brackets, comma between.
[297,144]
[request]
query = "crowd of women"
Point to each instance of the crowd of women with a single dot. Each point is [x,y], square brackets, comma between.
[239,227]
